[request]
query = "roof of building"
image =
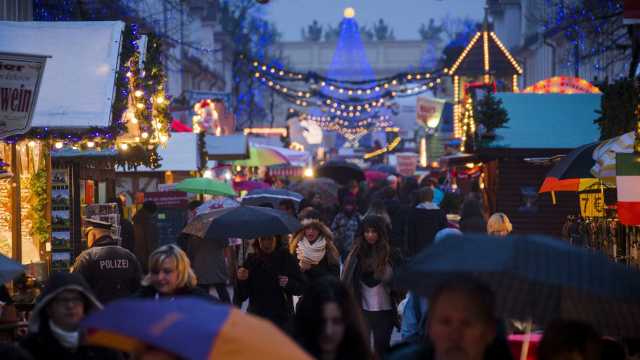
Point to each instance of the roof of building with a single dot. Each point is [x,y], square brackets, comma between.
[549,120]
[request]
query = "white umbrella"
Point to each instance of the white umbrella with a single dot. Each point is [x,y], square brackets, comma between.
[605,156]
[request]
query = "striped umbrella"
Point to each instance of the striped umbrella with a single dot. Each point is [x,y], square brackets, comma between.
[573,172]
[190,328]
[535,278]
[262,156]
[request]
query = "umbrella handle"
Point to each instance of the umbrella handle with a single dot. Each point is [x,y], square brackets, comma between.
[524,353]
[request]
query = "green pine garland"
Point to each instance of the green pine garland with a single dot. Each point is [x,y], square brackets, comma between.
[38,186]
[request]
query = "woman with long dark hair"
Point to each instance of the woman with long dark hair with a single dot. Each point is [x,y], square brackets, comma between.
[269,278]
[367,271]
[328,323]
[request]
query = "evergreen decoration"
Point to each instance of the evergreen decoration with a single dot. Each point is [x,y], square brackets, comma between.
[619,104]
[491,114]
[38,213]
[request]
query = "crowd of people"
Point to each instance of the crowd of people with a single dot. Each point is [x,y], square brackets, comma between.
[328,285]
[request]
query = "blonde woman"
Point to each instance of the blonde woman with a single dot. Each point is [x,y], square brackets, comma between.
[499,225]
[170,275]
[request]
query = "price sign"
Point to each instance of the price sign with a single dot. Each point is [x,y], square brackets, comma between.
[592,204]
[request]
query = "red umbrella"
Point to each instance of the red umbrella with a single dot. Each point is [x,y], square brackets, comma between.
[373,175]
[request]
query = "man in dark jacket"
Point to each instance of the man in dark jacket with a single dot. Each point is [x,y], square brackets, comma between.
[425,220]
[146,233]
[126,229]
[112,271]
[54,326]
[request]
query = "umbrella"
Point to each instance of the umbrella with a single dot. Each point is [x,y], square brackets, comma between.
[218,203]
[341,171]
[249,185]
[605,156]
[9,269]
[191,328]
[385,169]
[573,172]
[325,188]
[536,278]
[272,196]
[262,156]
[374,175]
[245,222]
[205,186]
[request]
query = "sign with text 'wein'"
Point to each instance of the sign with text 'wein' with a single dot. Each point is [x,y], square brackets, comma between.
[20,77]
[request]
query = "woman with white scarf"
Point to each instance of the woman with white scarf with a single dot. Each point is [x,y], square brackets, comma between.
[313,246]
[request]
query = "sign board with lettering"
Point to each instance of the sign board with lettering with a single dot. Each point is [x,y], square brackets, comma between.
[429,111]
[20,78]
[591,204]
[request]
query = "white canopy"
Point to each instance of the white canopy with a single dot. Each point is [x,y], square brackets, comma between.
[180,154]
[78,83]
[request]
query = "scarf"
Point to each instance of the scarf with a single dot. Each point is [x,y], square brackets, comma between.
[311,252]
[427,205]
[68,339]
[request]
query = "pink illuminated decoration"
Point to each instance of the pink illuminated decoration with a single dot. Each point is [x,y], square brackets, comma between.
[562,85]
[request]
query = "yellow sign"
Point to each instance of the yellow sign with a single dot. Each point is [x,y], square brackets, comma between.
[592,204]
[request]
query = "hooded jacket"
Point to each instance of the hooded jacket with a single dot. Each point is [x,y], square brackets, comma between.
[330,263]
[41,344]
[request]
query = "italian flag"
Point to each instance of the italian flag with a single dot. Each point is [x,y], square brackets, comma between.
[628,184]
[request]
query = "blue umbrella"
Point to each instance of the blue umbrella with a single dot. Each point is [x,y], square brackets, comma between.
[9,269]
[535,278]
[272,196]
[391,170]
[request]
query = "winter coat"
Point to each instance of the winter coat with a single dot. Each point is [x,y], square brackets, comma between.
[353,276]
[146,237]
[345,229]
[40,342]
[207,260]
[112,271]
[266,297]
[422,228]
[330,263]
[127,235]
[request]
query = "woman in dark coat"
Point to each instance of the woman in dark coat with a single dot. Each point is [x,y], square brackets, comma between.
[269,278]
[367,272]
[170,275]
[313,246]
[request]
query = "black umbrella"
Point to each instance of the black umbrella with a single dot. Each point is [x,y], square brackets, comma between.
[9,269]
[272,196]
[341,171]
[245,222]
[535,278]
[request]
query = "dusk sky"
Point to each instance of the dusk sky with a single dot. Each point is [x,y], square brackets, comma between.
[404,16]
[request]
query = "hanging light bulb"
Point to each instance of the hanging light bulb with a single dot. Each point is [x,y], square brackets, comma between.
[59,145]
[160,99]
[134,120]
[145,135]
[124,146]
[138,93]
[90,144]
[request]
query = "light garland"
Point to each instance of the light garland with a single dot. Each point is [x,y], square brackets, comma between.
[390,147]
[468,122]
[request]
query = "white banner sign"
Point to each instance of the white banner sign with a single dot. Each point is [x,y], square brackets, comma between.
[20,77]
[428,111]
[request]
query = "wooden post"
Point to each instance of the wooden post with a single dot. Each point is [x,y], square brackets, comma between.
[16,219]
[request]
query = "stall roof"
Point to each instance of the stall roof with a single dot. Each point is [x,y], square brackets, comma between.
[180,154]
[229,147]
[78,83]
[549,120]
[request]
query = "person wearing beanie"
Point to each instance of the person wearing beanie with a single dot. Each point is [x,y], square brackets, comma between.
[345,225]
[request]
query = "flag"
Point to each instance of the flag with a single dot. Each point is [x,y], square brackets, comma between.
[628,185]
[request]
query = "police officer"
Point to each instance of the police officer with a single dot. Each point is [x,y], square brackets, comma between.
[112,271]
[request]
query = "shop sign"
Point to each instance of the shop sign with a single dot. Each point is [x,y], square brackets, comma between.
[591,204]
[20,78]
